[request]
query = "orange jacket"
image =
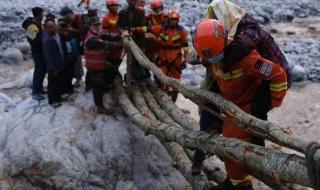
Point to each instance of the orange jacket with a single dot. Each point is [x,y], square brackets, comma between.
[109,23]
[154,19]
[173,40]
[243,79]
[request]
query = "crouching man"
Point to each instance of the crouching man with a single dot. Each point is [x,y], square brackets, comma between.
[101,71]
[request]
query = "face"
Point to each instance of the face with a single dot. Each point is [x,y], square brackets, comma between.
[173,22]
[71,17]
[40,16]
[157,11]
[51,28]
[63,28]
[139,4]
[113,8]
[96,28]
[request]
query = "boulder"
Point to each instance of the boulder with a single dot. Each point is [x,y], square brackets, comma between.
[24,47]
[298,73]
[73,148]
[12,56]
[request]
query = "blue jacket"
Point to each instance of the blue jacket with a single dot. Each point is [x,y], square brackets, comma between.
[52,53]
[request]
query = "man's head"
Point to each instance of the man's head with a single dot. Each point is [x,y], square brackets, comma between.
[173,17]
[157,6]
[50,16]
[95,25]
[137,4]
[37,13]
[67,13]
[92,12]
[112,5]
[51,27]
[210,40]
[63,26]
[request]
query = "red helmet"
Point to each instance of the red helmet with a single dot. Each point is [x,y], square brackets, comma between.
[112,2]
[174,14]
[156,4]
[209,39]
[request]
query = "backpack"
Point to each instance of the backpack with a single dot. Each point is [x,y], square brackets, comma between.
[26,23]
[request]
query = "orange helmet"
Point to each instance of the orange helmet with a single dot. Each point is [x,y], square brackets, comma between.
[174,14]
[209,39]
[156,4]
[112,2]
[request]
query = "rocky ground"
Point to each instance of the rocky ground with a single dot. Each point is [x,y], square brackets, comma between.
[73,148]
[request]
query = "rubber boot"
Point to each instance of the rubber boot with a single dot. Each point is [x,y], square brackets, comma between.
[196,168]
[104,111]
[227,185]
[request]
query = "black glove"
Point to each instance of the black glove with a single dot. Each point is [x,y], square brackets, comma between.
[110,37]
[206,63]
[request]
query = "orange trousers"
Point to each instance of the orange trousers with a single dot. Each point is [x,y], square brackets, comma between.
[173,70]
[235,170]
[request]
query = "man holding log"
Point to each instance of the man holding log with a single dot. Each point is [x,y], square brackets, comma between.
[237,83]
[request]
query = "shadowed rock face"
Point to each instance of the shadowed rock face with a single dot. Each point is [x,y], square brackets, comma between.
[72,148]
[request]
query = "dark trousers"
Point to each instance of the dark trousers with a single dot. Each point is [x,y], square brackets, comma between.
[67,75]
[139,73]
[55,81]
[88,81]
[101,81]
[208,123]
[261,104]
[39,73]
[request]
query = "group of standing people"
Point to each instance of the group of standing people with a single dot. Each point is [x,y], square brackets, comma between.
[244,64]
[57,47]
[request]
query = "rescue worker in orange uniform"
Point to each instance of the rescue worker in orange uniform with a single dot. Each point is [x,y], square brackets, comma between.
[174,49]
[96,56]
[237,83]
[156,18]
[111,31]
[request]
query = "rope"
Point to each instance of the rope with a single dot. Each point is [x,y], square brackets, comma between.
[313,164]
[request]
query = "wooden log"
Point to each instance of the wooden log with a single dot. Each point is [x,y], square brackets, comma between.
[129,69]
[171,108]
[155,107]
[286,168]
[213,173]
[264,129]
[181,161]
[143,107]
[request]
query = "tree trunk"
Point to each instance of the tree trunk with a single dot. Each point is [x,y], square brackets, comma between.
[171,108]
[156,109]
[256,126]
[141,104]
[182,163]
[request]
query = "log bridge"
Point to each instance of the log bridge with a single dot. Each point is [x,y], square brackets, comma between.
[153,111]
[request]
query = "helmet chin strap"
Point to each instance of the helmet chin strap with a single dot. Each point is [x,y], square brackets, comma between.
[216,59]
